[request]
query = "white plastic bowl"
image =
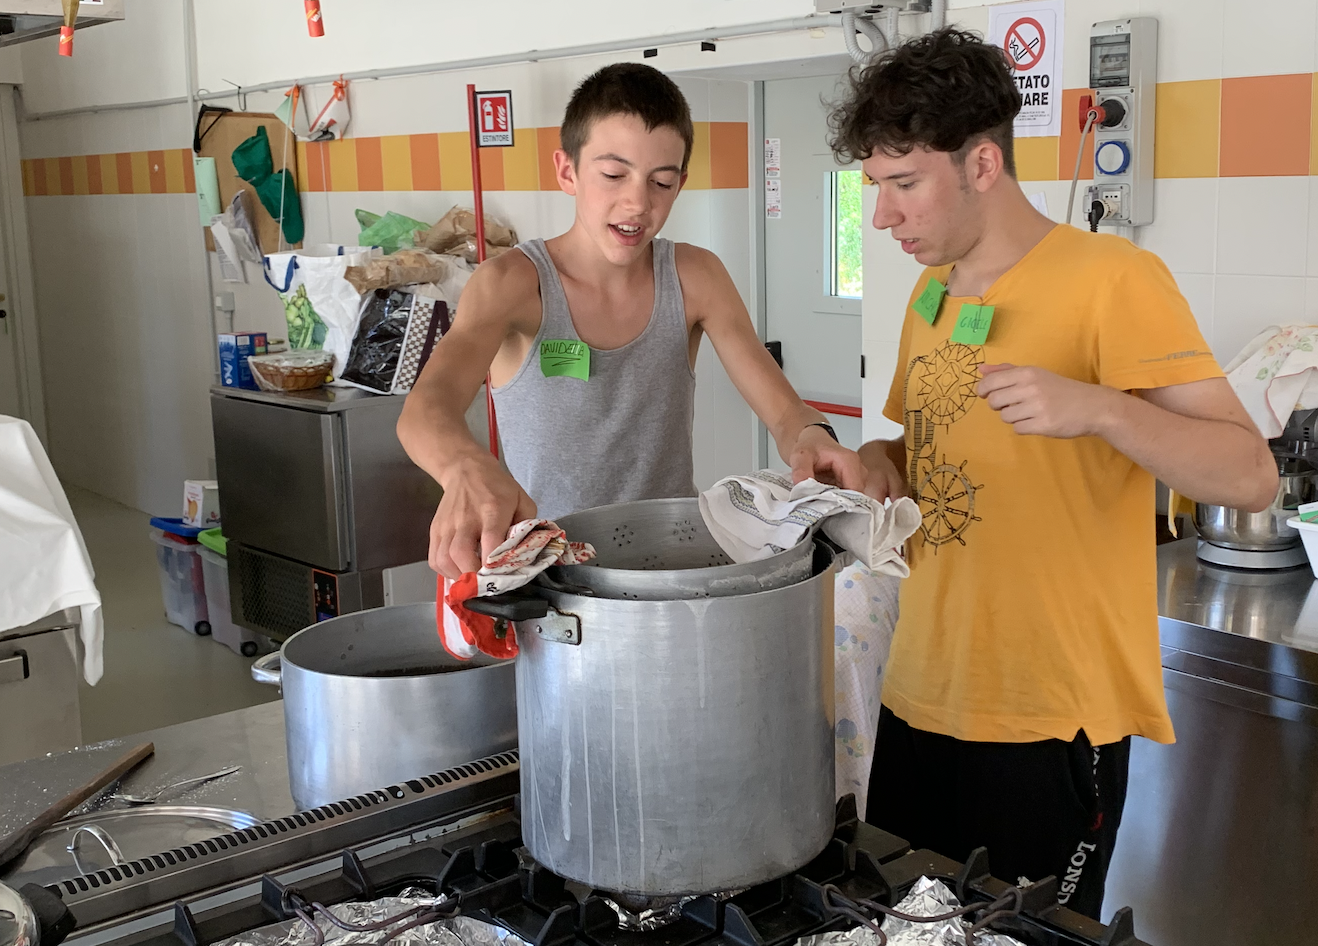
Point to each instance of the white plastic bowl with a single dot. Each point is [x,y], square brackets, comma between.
[1309,533]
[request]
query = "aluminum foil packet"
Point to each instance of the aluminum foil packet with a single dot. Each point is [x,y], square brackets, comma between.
[457,931]
[658,913]
[927,898]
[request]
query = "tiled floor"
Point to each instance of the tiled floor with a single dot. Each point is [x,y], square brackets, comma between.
[156,673]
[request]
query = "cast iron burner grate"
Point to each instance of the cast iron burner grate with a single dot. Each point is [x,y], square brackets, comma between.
[482,868]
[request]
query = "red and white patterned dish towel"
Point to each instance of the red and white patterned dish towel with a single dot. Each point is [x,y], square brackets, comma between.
[532,546]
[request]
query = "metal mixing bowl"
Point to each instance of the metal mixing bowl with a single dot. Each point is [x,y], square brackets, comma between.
[1264,531]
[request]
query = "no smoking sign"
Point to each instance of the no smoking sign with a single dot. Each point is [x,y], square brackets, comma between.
[1030,36]
[1025,43]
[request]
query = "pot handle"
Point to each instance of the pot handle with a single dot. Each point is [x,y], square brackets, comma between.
[513,606]
[267,669]
[532,612]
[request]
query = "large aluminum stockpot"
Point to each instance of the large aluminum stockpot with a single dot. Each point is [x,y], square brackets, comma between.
[1267,530]
[676,747]
[372,698]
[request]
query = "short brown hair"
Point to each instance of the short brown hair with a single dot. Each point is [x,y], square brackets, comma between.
[943,91]
[626,88]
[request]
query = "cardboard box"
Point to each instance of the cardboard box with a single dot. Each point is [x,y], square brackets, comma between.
[201,504]
[235,349]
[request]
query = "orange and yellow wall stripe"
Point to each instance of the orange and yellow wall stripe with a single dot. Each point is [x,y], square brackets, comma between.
[1254,126]
[428,162]
[133,172]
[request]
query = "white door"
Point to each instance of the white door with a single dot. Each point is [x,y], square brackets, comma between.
[812,252]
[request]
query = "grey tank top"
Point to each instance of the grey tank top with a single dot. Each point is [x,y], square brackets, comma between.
[623,435]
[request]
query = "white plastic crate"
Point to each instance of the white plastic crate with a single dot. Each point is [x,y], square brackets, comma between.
[182,585]
[240,640]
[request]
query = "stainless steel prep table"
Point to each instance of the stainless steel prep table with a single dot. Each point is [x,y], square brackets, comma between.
[1219,841]
[39,674]
[252,738]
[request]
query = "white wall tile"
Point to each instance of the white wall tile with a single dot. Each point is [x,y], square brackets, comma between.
[1263,226]
[1184,228]
[1080,16]
[1243,306]
[973,18]
[1311,301]
[1276,38]
[697,96]
[1198,291]
[729,101]
[1190,37]
[1055,194]
[1312,267]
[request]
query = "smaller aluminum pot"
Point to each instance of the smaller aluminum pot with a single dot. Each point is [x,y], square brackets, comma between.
[372,699]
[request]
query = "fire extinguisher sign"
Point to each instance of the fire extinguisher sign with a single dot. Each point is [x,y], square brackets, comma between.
[494,119]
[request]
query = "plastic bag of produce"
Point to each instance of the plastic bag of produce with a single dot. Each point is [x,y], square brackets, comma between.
[391,232]
[320,305]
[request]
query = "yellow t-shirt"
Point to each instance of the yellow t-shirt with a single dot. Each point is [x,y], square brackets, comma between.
[1031,610]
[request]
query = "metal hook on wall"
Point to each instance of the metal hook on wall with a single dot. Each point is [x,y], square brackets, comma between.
[242,96]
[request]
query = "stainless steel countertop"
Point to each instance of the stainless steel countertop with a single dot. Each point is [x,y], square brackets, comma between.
[1252,630]
[1276,607]
[252,738]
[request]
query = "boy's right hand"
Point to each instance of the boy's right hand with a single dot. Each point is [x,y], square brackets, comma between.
[481,503]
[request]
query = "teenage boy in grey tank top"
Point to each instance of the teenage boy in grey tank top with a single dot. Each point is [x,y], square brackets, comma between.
[590,340]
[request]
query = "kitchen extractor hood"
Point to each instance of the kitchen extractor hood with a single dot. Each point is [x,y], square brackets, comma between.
[23,20]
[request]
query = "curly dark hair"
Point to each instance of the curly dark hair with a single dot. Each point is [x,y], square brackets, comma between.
[943,91]
[626,88]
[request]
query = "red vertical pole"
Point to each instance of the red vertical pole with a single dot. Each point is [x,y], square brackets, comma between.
[478,203]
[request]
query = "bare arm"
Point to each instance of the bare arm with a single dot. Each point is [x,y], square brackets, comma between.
[1197,437]
[711,294]
[481,501]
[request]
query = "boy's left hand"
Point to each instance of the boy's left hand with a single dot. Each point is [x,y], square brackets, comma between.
[817,455]
[1036,401]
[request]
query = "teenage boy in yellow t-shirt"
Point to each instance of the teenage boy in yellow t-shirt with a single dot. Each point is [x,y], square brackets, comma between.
[1046,376]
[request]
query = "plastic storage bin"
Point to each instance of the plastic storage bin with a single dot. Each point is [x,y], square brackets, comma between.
[182,583]
[1309,534]
[240,640]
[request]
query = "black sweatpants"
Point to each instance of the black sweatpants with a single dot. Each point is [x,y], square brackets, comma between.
[1041,808]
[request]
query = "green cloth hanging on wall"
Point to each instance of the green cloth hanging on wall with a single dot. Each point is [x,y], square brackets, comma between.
[255,165]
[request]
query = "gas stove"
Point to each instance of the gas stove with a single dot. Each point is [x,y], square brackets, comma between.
[456,835]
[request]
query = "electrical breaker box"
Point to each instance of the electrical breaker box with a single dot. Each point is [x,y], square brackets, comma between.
[1123,67]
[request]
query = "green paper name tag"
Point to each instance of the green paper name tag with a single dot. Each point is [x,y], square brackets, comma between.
[972,324]
[927,305]
[560,357]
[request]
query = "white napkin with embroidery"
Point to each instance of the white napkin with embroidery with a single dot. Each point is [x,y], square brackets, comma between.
[1277,374]
[44,566]
[755,515]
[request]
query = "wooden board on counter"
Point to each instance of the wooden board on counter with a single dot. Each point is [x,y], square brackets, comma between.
[231,130]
